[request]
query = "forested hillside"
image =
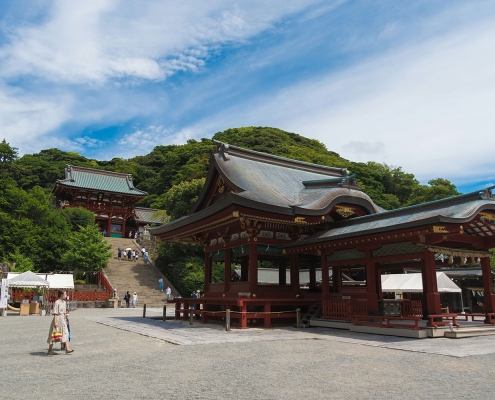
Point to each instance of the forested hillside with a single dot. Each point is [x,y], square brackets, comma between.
[173,175]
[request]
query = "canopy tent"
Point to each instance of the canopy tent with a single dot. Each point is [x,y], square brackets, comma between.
[61,281]
[55,281]
[414,283]
[28,279]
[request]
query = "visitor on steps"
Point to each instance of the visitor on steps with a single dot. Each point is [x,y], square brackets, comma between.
[168,291]
[134,299]
[127,298]
[160,284]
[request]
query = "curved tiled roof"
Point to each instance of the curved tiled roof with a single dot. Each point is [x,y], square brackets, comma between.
[298,187]
[145,215]
[458,209]
[89,178]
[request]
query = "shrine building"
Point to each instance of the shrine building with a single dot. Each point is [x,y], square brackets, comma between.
[259,211]
[111,196]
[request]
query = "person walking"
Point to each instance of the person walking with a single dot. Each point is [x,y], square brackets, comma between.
[160,284]
[124,253]
[127,299]
[134,299]
[133,255]
[59,323]
[143,250]
[119,253]
[129,255]
[145,257]
[168,292]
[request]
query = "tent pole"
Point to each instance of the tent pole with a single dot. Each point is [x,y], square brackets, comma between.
[462,305]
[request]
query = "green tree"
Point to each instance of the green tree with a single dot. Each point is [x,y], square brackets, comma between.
[87,250]
[78,217]
[436,189]
[8,156]
[20,262]
[179,199]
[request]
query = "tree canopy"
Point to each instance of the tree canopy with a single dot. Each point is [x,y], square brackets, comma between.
[35,234]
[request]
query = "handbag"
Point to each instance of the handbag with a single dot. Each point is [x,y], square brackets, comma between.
[56,336]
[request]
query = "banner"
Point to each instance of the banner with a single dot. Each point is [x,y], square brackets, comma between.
[4,293]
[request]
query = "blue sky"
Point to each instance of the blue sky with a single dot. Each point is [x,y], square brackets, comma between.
[411,84]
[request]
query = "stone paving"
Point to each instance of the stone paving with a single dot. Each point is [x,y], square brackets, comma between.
[181,333]
[209,363]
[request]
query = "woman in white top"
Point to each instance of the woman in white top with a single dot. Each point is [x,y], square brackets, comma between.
[59,323]
[134,299]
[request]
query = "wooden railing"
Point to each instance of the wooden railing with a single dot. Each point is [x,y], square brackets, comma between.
[412,308]
[344,309]
[79,294]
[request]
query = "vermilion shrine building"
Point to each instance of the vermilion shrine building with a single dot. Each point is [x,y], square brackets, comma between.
[111,196]
[258,210]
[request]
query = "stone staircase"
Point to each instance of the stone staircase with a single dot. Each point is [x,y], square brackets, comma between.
[136,276]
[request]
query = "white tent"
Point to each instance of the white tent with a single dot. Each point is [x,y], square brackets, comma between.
[55,281]
[414,283]
[60,281]
[28,279]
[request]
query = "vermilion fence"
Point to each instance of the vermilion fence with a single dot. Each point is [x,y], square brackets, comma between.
[344,309]
[104,293]
[412,308]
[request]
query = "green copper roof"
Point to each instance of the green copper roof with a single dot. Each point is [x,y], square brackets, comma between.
[145,215]
[95,179]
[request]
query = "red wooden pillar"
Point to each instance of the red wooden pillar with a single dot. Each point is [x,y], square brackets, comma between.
[227,270]
[312,277]
[243,319]
[207,271]
[431,297]
[268,317]
[488,296]
[253,268]
[282,275]
[337,278]
[371,285]
[124,218]
[325,283]
[244,269]
[378,275]
[294,272]
[109,226]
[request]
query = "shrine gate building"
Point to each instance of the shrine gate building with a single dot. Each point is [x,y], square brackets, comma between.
[111,196]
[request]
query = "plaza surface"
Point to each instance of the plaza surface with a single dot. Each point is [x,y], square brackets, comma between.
[118,354]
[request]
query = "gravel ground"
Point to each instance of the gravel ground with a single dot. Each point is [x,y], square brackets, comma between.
[113,363]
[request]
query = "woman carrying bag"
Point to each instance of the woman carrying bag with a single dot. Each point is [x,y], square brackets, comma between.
[58,328]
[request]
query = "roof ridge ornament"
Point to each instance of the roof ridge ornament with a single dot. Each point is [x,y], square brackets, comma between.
[486,194]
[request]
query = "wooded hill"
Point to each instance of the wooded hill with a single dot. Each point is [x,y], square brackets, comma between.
[38,236]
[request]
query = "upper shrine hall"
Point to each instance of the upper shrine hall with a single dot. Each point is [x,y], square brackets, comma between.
[111,196]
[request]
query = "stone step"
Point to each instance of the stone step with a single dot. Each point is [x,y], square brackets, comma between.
[470,332]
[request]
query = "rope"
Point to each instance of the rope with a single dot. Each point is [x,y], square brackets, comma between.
[242,312]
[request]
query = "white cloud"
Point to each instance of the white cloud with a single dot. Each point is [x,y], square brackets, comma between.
[145,139]
[427,108]
[93,41]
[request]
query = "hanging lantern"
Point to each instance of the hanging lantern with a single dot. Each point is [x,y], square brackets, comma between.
[451,259]
[463,260]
